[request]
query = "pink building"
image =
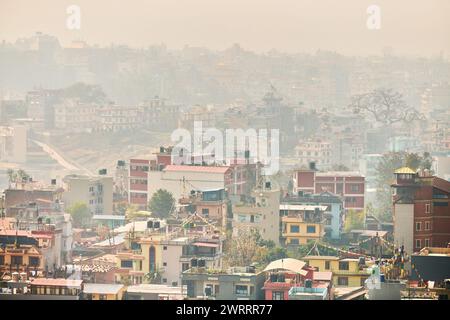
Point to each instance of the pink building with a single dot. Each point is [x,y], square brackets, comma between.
[349,185]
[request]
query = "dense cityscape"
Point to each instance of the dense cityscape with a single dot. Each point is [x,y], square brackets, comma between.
[318,176]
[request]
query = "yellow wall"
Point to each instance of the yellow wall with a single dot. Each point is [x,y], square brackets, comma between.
[118,296]
[353,274]
[302,235]
[146,253]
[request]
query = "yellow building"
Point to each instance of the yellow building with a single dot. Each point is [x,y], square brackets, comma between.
[301,224]
[129,268]
[346,272]
[22,258]
[151,250]
[100,291]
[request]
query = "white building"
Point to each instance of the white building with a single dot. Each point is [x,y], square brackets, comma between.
[95,192]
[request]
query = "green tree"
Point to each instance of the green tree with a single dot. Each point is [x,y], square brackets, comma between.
[354,220]
[12,177]
[161,204]
[80,214]
[385,177]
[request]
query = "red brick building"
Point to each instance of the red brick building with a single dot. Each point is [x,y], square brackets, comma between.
[349,185]
[421,210]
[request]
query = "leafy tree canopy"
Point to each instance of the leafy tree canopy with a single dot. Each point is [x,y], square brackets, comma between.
[161,204]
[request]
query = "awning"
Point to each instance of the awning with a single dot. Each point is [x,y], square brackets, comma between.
[289,264]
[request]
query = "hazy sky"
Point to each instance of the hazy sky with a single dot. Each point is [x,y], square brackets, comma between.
[416,27]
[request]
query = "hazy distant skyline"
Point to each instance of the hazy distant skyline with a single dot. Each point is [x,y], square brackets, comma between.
[411,27]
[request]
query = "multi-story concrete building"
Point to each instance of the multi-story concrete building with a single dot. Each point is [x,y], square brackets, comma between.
[314,150]
[333,214]
[75,116]
[13,144]
[421,210]
[238,283]
[346,272]
[160,116]
[114,118]
[96,192]
[349,185]
[261,213]
[301,224]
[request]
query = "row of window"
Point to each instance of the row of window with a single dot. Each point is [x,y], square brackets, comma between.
[18,260]
[427,226]
[296,229]
[138,181]
[343,281]
[426,243]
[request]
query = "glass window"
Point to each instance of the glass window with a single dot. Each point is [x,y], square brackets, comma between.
[294,241]
[327,265]
[277,295]
[418,226]
[126,264]
[295,229]
[418,243]
[242,290]
[16,260]
[342,281]
[343,265]
[311,229]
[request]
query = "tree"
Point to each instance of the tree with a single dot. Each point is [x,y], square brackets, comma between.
[80,214]
[162,203]
[354,220]
[385,177]
[385,106]
[12,177]
[242,250]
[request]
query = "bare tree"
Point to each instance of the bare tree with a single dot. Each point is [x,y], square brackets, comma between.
[386,106]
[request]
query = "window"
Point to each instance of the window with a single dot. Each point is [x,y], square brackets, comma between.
[2,260]
[418,226]
[164,280]
[164,264]
[427,242]
[241,290]
[354,188]
[418,243]
[205,212]
[33,261]
[184,267]
[295,229]
[277,295]
[103,297]
[427,225]
[343,265]
[126,264]
[342,281]
[327,265]
[293,241]
[165,248]
[311,229]
[427,208]
[16,260]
